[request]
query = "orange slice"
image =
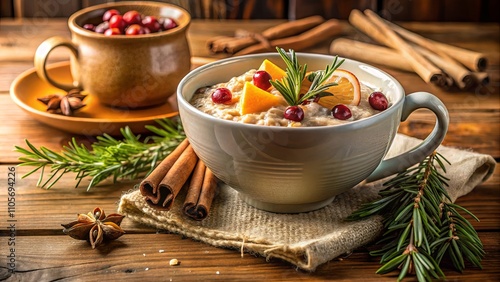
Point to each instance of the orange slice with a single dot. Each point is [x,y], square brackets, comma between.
[347,91]
[255,100]
[275,71]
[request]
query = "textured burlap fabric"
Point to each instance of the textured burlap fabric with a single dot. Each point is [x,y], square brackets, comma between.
[306,240]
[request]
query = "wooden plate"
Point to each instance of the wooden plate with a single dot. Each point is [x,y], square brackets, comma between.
[93,119]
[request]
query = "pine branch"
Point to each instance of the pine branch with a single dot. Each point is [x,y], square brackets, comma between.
[128,158]
[422,225]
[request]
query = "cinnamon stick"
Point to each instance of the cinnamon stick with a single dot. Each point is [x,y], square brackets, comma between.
[460,75]
[201,192]
[176,177]
[391,58]
[162,186]
[425,69]
[232,45]
[299,42]
[481,78]
[149,186]
[475,61]
[369,53]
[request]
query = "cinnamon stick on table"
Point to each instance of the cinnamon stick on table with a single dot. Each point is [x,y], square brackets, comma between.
[425,69]
[231,45]
[201,192]
[376,54]
[299,42]
[475,61]
[162,186]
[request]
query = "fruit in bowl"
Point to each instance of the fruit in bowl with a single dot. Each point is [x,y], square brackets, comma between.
[283,165]
[302,98]
[118,55]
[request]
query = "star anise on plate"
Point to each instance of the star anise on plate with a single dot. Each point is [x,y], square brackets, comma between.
[95,227]
[64,104]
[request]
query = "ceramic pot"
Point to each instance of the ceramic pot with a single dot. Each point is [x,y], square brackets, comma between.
[120,70]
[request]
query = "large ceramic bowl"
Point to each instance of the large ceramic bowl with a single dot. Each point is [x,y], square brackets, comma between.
[291,170]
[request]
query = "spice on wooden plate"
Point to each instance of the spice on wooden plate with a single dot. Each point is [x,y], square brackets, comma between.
[64,104]
[95,227]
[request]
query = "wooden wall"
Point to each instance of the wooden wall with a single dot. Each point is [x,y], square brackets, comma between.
[400,10]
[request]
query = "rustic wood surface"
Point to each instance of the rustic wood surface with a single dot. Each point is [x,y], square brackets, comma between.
[43,253]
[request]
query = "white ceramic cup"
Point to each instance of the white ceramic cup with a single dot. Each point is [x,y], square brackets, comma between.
[292,170]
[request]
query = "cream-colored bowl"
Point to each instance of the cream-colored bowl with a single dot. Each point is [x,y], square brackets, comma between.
[293,170]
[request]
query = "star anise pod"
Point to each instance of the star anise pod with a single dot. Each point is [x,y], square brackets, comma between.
[95,227]
[64,104]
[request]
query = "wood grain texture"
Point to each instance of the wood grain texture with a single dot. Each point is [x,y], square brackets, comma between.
[45,254]
[133,257]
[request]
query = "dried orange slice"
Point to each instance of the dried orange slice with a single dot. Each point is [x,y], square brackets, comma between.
[255,100]
[347,91]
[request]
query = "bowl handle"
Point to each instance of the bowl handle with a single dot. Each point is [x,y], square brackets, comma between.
[42,54]
[401,162]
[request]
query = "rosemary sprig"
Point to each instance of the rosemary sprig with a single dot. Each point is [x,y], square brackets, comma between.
[291,84]
[422,225]
[128,158]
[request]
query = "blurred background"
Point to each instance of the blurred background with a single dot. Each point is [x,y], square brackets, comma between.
[398,10]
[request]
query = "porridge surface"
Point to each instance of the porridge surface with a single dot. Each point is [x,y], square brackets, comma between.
[314,113]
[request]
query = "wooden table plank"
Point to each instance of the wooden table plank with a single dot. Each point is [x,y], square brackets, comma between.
[137,256]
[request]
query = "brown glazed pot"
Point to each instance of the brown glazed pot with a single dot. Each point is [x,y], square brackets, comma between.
[123,71]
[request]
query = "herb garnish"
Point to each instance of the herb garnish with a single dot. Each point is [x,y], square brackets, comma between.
[291,84]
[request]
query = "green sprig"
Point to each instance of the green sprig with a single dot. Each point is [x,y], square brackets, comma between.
[422,225]
[127,158]
[291,84]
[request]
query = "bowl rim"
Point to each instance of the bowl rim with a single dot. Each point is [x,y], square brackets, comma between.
[356,124]
[76,28]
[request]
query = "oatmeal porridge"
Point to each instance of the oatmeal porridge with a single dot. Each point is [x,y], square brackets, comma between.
[314,114]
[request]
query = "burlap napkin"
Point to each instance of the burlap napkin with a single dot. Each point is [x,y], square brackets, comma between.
[306,240]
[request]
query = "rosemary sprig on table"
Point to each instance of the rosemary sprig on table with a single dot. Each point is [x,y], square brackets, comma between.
[127,158]
[290,85]
[421,224]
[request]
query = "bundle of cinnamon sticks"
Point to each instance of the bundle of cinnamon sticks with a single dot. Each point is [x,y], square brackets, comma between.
[435,62]
[298,35]
[181,168]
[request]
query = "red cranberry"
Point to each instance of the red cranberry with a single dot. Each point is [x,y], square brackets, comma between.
[169,23]
[132,17]
[90,27]
[102,27]
[294,113]
[151,23]
[116,21]
[112,31]
[378,101]
[134,29]
[108,14]
[222,95]
[261,79]
[341,112]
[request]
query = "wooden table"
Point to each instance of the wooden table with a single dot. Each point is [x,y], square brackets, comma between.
[44,253]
